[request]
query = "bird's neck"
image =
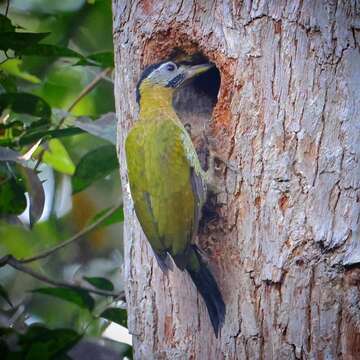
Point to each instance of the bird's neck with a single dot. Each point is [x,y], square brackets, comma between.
[155,100]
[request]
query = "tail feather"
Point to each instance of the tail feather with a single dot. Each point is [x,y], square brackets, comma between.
[208,289]
[164,261]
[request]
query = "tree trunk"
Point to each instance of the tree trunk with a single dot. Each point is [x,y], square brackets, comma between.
[286,249]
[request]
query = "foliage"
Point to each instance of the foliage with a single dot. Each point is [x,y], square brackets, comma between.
[100,282]
[93,166]
[115,314]
[57,126]
[77,296]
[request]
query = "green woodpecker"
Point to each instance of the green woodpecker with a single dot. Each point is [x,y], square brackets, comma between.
[167,183]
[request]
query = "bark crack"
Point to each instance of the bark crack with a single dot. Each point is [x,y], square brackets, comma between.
[318,154]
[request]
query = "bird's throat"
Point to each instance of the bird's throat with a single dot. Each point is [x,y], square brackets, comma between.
[155,99]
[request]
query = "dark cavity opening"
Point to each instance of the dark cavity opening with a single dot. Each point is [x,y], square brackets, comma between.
[195,102]
[200,94]
[208,85]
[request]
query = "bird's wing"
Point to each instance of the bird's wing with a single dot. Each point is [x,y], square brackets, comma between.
[169,183]
[197,176]
[166,186]
[135,158]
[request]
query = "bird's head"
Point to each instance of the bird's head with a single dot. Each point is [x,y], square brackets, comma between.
[167,76]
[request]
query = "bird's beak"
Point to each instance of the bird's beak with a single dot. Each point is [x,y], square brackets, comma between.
[196,70]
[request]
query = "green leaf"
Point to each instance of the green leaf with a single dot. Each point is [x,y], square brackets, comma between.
[18,41]
[5,296]
[116,315]
[76,296]
[93,166]
[25,103]
[47,134]
[12,196]
[49,51]
[58,158]
[116,217]
[102,59]
[28,139]
[5,24]
[104,127]
[12,67]
[36,194]
[42,343]
[7,83]
[100,283]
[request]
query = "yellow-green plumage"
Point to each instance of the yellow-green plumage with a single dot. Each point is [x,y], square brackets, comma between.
[160,178]
[168,189]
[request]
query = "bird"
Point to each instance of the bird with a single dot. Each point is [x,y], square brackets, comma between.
[167,184]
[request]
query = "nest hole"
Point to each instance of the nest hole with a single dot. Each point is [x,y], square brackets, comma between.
[200,95]
[194,104]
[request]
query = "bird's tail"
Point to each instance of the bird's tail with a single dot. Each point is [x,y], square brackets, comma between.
[207,287]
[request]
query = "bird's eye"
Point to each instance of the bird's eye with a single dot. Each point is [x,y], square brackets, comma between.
[170,67]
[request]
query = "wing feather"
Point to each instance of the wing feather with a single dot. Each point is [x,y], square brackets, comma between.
[165,184]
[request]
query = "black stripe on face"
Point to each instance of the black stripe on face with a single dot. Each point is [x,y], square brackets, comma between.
[177,80]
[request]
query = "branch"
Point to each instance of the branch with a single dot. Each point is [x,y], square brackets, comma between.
[74,238]
[106,77]
[17,264]
[7,7]
[88,88]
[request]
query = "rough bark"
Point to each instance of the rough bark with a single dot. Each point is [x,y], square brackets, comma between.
[286,251]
